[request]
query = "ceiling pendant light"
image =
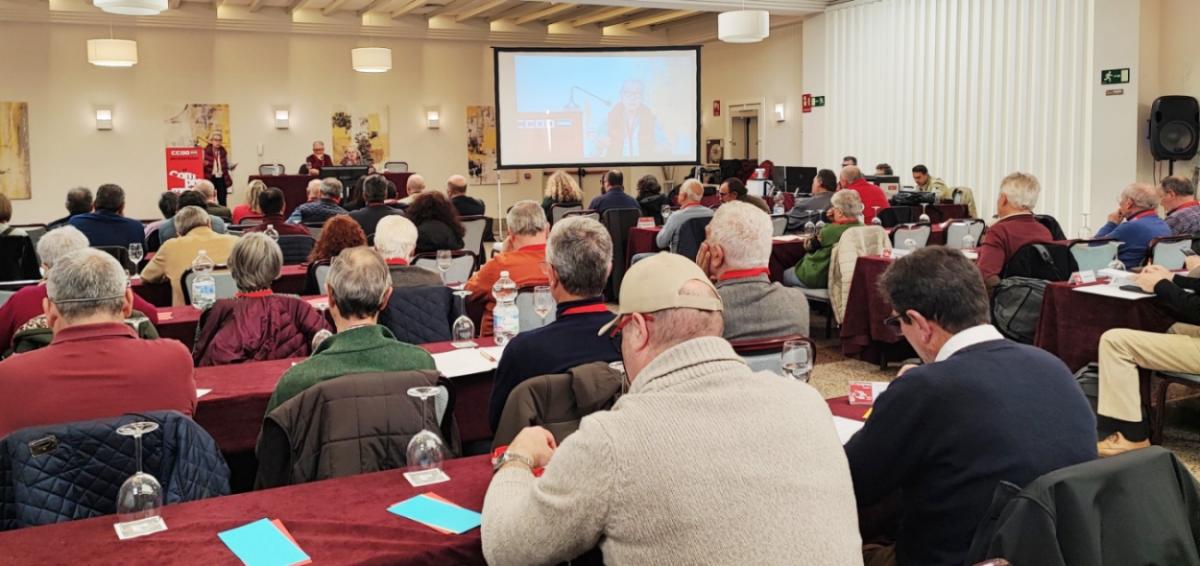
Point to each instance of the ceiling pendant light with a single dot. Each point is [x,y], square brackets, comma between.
[132,7]
[371,59]
[112,52]
[744,26]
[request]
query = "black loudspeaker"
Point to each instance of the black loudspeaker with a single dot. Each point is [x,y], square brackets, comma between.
[1174,128]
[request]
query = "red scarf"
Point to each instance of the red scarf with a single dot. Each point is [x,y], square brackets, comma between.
[744,273]
[397,261]
[255,294]
[1142,214]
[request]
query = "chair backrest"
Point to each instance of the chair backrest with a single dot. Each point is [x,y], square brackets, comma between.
[763,354]
[120,253]
[918,233]
[34,231]
[18,260]
[691,234]
[153,240]
[314,228]
[854,243]
[271,169]
[1092,255]
[586,212]
[226,286]
[560,211]
[896,215]
[1050,262]
[395,166]
[529,317]
[958,229]
[552,401]
[475,227]
[1168,251]
[418,315]
[779,223]
[250,221]
[1051,224]
[618,221]
[462,264]
[296,248]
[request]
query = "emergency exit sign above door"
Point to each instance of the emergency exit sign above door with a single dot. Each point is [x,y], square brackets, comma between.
[1114,76]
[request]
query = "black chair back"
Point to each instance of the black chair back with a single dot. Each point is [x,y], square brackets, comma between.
[691,235]
[652,207]
[296,248]
[618,222]
[897,215]
[18,259]
[417,315]
[1056,231]
[1050,262]
[121,254]
[153,241]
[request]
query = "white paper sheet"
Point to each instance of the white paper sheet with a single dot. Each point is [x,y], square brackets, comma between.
[846,427]
[202,392]
[1110,291]
[467,361]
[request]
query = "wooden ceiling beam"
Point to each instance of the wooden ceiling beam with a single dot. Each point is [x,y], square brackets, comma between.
[256,5]
[332,7]
[407,8]
[658,19]
[600,15]
[544,13]
[479,9]
[371,7]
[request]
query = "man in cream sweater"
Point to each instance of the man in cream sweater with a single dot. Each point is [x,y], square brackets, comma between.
[701,462]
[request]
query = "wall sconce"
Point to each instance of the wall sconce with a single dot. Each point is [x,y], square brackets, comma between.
[779,114]
[104,118]
[282,118]
[433,118]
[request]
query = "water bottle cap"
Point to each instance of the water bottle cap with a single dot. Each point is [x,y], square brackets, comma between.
[503,274]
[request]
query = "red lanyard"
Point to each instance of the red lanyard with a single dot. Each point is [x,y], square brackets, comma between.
[1142,214]
[744,273]
[397,261]
[586,309]
[1187,204]
[255,294]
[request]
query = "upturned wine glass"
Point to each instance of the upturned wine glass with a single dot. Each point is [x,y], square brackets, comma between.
[141,495]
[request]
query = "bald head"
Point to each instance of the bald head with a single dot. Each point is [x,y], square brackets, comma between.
[850,174]
[691,191]
[456,185]
[415,184]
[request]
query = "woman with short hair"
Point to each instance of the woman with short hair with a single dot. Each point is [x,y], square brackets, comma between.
[813,271]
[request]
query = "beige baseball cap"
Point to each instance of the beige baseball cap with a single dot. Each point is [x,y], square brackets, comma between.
[653,284]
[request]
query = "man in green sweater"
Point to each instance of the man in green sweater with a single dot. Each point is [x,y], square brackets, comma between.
[358,287]
[813,271]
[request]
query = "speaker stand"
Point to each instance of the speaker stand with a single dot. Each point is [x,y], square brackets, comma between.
[1170,167]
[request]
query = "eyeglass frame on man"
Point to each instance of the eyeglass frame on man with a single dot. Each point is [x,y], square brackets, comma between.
[615,334]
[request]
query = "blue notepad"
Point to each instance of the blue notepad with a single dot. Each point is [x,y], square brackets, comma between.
[262,544]
[436,513]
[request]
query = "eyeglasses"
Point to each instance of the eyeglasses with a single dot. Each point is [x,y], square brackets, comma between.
[615,334]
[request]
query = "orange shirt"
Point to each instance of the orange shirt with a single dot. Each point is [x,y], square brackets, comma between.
[523,265]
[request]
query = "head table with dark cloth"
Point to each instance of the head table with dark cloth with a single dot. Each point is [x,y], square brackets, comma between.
[295,187]
[291,280]
[786,251]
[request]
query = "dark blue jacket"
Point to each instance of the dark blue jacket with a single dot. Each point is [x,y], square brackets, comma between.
[567,342]
[947,433]
[615,197]
[1136,235]
[105,228]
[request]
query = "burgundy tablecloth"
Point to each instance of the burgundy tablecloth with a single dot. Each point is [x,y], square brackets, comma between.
[291,280]
[339,521]
[784,254]
[294,187]
[841,407]
[1071,322]
[863,333]
[948,211]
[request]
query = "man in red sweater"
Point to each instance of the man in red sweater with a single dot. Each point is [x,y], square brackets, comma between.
[1016,227]
[872,196]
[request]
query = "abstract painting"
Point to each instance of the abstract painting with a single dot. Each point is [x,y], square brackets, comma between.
[361,132]
[481,148]
[14,150]
[189,125]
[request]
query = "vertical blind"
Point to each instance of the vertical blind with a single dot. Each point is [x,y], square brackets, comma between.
[973,89]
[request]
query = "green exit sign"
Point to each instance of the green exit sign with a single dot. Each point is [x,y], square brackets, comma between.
[1114,76]
[818,101]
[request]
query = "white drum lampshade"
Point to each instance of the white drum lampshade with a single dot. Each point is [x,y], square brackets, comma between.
[131,7]
[371,59]
[744,26]
[112,52]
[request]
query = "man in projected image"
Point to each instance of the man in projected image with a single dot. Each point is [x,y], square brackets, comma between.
[631,129]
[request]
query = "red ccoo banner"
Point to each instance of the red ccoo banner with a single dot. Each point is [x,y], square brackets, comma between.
[185,166]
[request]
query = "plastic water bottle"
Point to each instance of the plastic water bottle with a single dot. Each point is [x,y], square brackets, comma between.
[506,319]
[204,287]
[778,203]
[271,232]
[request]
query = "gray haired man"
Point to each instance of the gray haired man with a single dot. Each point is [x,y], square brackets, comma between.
[325,207]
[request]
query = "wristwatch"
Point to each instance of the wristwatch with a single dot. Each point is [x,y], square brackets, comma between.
[510,457]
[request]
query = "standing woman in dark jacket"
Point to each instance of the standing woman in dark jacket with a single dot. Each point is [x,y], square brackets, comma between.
[438,227]
[257,324]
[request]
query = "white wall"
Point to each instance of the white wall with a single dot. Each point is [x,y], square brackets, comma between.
[1113,119]
[1169,67]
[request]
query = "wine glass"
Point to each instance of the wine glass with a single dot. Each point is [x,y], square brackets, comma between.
[1085,233]
[797,359]
[271,232]
[425,450]
[924,218]
[141,495]
[810,228]
[464,328]
[666,212]
[321,336]
[968,242]
[910,244]
[444,260]
[543,302]
[135,256]
[820,224]
[875,219]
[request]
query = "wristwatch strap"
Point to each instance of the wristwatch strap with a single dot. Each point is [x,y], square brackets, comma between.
[510,457]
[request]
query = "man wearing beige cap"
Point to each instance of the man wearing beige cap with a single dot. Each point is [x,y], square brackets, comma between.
[702,461]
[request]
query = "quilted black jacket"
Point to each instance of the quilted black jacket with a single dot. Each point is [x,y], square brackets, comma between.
[55,473]
[417,315]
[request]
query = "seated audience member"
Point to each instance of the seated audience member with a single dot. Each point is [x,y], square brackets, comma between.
[374,193]
[690,195]
[354,195]
[929,184]
[250,210]
[849,160]
[214,209]
[812,209]
[176,256]
[108,226]
[1123,351]
[1135,223]
[338,233]
[166,230]
[612,194]
[168,204]
[6,213]
[96,366]
[523,256]
[395,240]
[884,170]
[79,201]
[271,203]
[322,209]
[579,259]
[1178,197]
[678,440]
[317,159]
[982,410]
[736,254]
[872,196]
[561,189]
[456,188]
[437,222]
[358,288]
[257,324]
[735,190]
[1016,227]
[26,304]
[414,186]
[813,271]
[651,198]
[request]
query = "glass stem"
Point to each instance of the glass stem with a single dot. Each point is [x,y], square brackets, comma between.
[137,450]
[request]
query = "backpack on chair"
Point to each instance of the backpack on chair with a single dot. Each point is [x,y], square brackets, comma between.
[1017,300]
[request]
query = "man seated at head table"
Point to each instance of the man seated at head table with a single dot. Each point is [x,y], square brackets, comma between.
[396,240]
[736,254]
[271,203]
[358,288]
[1016,227]
[703,461]
[177,255]
[325,206]
[523,257]
[1135,224]
[26,304]
[191,197]
[1178,197]
[96,366]
[812,271]
[982,410]
[318,159]
[578,259]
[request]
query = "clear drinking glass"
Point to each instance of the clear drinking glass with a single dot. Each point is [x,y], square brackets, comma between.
[1085,232]
[271,232]
[543,302]
[425,450]
[924,218]
[810,228]
[135,256]
[875,219]
[141,495]
[444,260]
[464,329]
[968,242]
[910,244]
[797,359]
[820,225]
[666,212]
